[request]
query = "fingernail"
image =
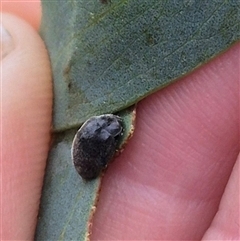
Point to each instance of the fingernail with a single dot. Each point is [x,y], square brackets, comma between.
[6,42]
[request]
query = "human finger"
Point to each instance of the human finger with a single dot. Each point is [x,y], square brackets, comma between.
[168,182]
[26,121]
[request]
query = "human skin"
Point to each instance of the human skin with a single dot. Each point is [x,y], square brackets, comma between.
[177,179]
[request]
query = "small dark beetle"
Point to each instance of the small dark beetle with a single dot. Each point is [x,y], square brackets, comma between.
[95,143]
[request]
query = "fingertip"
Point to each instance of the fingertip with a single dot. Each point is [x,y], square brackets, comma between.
[173,171]
[26,123]
[27,10]
[225,225]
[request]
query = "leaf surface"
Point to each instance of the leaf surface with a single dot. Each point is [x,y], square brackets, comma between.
[106,57]
[68,202]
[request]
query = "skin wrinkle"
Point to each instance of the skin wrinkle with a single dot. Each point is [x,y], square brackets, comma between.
[171,211]
[162,171]
[135,170]
[205,127]
[174,105]
[154,163]
[126,212]
[181,139]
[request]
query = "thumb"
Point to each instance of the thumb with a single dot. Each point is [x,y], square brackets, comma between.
[25,120]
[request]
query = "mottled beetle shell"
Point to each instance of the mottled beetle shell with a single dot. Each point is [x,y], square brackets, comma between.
[95,143]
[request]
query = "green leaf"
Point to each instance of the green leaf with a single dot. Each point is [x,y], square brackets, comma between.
[68,202]
[105,57]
